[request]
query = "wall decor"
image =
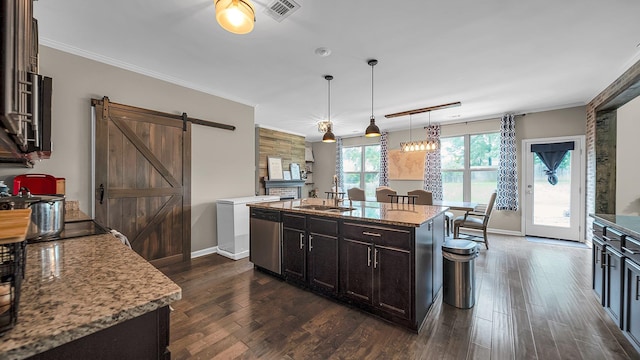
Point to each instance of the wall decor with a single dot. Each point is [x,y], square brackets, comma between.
[406,165]
[274,164]
[286,175]
[295,171]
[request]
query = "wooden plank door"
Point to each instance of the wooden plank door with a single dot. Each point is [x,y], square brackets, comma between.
[142,179]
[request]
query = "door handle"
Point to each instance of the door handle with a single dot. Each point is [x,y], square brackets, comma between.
[301,241]
[602,258]
[369,257]
[375,259]
[310,244]
[637,287]
[101,193]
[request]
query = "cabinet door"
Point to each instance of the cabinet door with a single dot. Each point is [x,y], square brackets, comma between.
[438,227]
[632,301]
[356,272]
[598,269]
[392,279]
[613,275]
[322,255]
[293,254]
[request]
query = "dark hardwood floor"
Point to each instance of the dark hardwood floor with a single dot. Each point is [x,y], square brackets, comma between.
[534,301]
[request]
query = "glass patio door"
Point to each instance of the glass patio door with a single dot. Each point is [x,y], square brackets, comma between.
[553,185]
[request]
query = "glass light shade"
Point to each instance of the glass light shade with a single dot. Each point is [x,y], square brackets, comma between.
[236,16]
[373,129]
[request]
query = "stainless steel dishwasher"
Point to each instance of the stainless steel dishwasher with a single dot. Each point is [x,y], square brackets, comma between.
[265,234]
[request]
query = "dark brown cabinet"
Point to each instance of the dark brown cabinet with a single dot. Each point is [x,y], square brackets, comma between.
[310,251]
[632,301]
[294,259]
[376,268]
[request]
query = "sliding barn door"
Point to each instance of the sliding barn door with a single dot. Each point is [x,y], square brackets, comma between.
[142,179]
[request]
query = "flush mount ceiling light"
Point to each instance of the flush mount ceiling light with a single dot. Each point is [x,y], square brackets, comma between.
[373,129]
[236,16]
[328,135]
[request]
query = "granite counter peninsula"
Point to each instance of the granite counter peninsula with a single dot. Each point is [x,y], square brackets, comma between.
[87,298]
[383,258]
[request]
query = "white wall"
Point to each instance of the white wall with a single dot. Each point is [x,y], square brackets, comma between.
[76,80]
[627,169]
[563,122]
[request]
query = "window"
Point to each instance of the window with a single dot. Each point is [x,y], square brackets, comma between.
[470,166]
[361,171]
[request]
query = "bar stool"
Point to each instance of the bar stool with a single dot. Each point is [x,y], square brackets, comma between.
[403,199]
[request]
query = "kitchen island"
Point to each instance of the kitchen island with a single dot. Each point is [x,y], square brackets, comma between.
[90,297]
[383,258]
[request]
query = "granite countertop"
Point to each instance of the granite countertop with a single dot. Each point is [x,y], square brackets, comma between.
[76,287]
[371,211]
[629,224]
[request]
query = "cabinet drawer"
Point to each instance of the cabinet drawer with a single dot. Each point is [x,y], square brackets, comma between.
[293,221]
[631,249]
[379,235]
[323,226]
[613,238]
[598,230]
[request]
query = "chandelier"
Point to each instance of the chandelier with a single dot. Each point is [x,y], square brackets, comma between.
[324,125]
[420,145]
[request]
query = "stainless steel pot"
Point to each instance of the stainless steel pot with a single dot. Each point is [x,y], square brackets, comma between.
[47,213]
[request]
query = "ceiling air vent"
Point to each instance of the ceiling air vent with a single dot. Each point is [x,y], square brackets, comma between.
[280,9]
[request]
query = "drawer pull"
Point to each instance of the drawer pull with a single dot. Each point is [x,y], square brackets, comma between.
[371,234]
[606,238]
[369,257]
[631,251]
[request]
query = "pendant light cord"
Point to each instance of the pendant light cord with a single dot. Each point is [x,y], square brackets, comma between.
[372,65]
[329,102]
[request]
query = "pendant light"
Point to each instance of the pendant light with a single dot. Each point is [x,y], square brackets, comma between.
[236,16]
[373,129]
[328,136]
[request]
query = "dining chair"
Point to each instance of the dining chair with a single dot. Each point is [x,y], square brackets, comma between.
[475,220]
[426,198]
[423,197]
[383,192]
[356,194]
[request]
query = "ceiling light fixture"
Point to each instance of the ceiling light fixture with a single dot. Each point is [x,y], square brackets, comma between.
[432,144]
[413,145]
[328,136]
[236,16]
[372,130]
[323,125]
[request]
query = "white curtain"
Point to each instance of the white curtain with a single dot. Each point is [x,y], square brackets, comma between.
[507,191]
[339,166]
[432,165]
[384,159]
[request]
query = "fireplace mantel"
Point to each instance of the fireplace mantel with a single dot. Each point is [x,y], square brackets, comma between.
[270,184]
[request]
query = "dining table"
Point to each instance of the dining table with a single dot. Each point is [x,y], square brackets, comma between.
[456,205]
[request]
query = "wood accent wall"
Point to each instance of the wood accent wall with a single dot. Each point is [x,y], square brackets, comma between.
[288,147]
[601,141]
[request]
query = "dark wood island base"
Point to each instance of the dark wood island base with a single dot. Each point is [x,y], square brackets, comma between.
[379,258]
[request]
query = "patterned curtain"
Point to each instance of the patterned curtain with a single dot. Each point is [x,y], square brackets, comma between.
[339,164]
[384,159]
[432,165]
[507,192]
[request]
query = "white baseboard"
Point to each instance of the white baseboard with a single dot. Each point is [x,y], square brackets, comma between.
[203,252]
[232,256]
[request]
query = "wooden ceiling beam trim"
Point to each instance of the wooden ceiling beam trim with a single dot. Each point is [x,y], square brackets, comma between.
[422,110]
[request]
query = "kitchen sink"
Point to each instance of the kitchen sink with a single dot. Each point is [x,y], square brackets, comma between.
[328,208]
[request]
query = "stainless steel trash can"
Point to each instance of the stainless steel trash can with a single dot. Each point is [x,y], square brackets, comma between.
[459,277]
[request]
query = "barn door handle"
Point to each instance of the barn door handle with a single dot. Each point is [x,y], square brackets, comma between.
[101,193]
